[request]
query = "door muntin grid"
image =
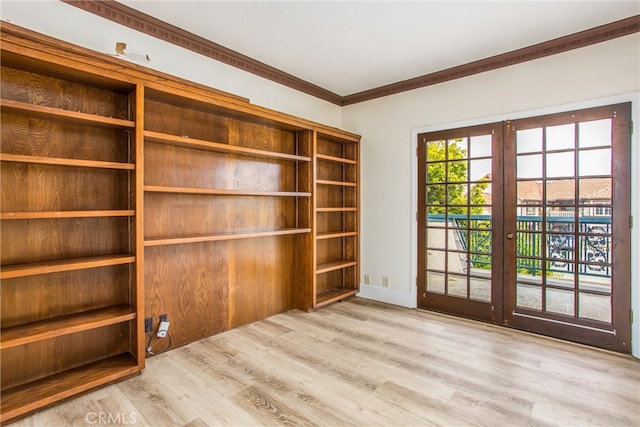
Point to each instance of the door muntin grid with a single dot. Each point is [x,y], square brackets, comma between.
[564,231]
[458,224]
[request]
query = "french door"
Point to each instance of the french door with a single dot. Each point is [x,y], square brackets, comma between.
[526,223]
[459,264]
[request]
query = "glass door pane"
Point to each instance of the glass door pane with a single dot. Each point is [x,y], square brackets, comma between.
[563,237]
[458,263]
[565,215]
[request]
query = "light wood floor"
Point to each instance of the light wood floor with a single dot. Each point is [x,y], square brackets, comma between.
[361,362]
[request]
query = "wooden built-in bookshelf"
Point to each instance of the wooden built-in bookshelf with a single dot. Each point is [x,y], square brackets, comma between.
[129,194]
[238,184]
[336,234]
[71,303]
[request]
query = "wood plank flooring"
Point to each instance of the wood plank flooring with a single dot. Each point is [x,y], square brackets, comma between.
[364,363]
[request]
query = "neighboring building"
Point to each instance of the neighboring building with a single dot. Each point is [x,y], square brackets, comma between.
[594,197]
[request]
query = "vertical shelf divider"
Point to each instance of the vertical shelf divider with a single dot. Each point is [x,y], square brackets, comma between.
[138,201]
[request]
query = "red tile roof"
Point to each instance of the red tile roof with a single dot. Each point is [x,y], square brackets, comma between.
[590,189]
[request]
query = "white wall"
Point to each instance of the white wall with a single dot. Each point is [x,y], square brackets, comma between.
[388,127]
[68,23]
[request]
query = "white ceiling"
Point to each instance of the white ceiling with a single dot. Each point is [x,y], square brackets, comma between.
[351,46]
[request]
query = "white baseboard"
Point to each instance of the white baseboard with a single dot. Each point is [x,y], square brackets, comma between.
[377,293]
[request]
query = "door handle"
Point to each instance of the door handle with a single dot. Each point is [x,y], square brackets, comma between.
[509,236]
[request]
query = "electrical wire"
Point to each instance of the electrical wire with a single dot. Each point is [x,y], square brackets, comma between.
[151,337]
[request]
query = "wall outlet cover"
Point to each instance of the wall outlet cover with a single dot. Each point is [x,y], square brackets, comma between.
[148,324]
[163,329]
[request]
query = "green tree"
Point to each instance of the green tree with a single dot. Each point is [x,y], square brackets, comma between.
[447,185]
[446,175]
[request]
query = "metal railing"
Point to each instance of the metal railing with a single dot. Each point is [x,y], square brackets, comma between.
[538,253]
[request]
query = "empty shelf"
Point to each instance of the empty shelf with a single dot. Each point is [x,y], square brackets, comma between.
[58,161]
[335,234]
[334,265]
[221,192]
[66,214]
[64,325]
[222,236]
[41,111]
[336,159]
[57,266]
[198,144]
[37,394]
[339,183]
[332,295]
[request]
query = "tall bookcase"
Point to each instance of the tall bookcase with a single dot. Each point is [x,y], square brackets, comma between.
[337,209]
[70,301]
[128,194]
[226,194]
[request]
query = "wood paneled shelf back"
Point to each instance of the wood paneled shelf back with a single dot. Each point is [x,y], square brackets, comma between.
[128,194]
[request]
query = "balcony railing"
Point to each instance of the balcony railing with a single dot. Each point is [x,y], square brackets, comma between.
[555,252]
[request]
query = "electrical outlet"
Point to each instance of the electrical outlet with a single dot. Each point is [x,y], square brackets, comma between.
[367,279]
[163,329]
[164,326]
[148,324]
[385,281]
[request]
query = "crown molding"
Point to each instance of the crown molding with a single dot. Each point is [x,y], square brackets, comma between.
[131,18]
[563,44]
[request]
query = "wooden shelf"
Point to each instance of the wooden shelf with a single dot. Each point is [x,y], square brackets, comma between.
[57,266]
[334,265]
[66,214]
[64,325]
[37,394]
[198,144]
[336,159]
[335,234]
[208,191]
[42,112]
[339,183]
[336,180]
[329,296]
[223,236]
[19,158]
[337,209]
